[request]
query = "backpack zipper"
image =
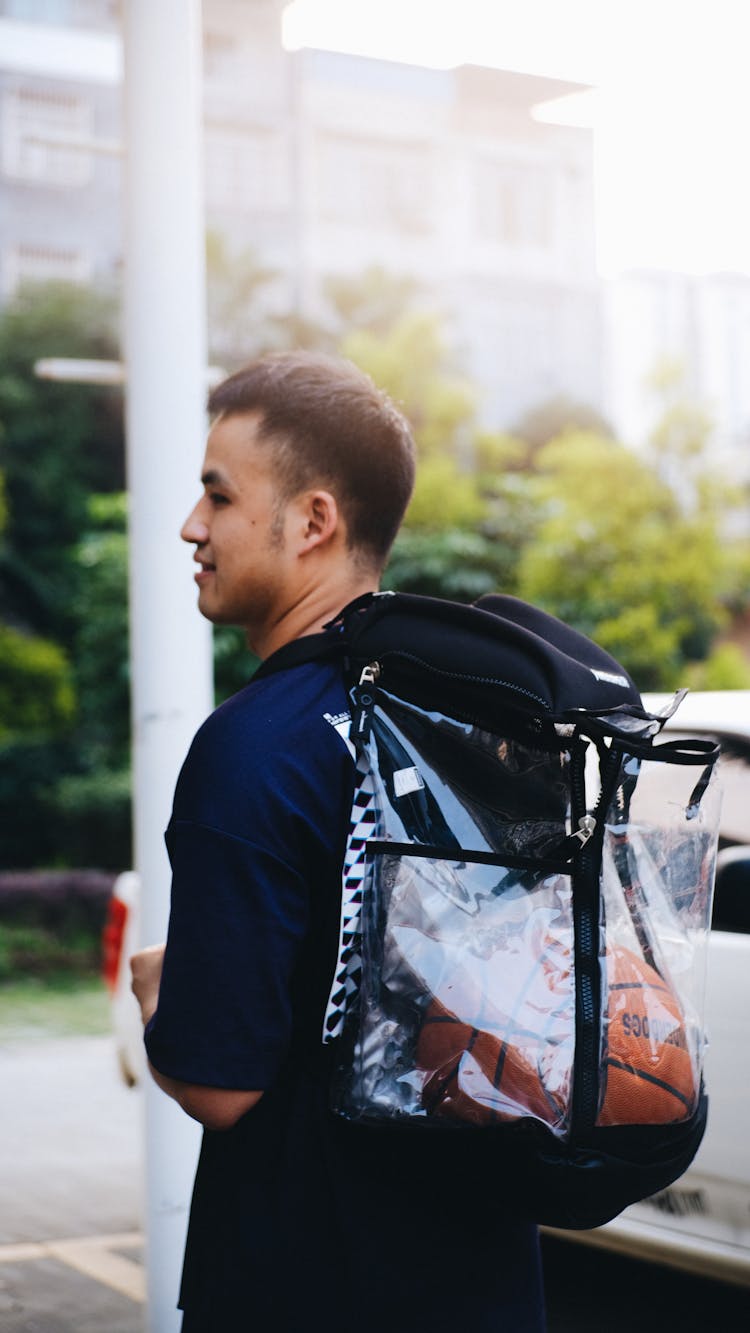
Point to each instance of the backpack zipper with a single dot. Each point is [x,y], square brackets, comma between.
[364,700]
[377,667]
[588,964]
[586,1060]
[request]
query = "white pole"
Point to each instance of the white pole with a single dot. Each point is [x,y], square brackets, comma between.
[165,343]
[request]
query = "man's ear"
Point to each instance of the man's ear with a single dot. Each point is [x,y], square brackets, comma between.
[319,519]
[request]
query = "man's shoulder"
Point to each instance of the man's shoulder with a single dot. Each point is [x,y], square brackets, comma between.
[277,750]
[300,707]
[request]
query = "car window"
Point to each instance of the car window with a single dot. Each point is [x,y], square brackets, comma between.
[732,894]
[735,776]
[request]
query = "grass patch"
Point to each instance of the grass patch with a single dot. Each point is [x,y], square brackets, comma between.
[53,1006]
[28,949]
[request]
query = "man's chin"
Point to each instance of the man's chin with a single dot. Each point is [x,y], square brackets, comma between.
[216,614]
[211,612]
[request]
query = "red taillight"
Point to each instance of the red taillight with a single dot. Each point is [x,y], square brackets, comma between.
[112,937]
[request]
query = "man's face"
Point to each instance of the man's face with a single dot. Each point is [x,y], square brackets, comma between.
[238,532]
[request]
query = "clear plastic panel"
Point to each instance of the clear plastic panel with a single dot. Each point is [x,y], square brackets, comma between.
[467,1003]
[657,886]
[450,784]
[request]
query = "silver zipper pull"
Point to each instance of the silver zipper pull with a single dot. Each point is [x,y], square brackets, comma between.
[363,703]
[370,673]
[585,830]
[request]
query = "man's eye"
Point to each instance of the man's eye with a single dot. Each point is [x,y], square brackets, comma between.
[216,498]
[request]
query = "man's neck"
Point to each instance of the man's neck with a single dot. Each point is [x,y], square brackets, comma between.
[314,609]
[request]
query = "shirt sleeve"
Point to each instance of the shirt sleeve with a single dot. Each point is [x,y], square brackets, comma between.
[241,910]
[238,918]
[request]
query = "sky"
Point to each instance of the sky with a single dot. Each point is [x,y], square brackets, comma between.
[670,110]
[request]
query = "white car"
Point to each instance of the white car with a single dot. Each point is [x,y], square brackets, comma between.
[702,1223]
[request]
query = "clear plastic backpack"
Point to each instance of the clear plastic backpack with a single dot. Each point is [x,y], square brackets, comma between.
[525,912]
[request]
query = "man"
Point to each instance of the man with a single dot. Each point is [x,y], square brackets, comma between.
[307,475]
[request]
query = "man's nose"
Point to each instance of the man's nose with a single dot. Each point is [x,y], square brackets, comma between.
[194,529]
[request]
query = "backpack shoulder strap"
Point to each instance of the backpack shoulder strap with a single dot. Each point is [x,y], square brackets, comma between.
[309,648]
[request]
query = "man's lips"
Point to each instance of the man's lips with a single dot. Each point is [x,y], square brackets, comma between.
[204,572]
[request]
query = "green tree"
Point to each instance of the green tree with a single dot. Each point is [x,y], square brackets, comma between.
[472,509]
[100,640]
[36,690]
[456,563]
[237,287]
[616,555]
[726,668]
[375,300]
[414,365]
[59,443]
[554,417]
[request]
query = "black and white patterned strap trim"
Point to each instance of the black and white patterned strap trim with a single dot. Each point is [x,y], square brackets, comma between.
[349,965]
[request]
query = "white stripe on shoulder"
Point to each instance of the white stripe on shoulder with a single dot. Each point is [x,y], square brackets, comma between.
[341,723]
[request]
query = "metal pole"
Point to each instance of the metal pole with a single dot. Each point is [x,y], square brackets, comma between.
[170,645]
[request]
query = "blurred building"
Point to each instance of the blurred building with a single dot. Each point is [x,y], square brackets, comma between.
[324,164]
[59,87]
[696,328]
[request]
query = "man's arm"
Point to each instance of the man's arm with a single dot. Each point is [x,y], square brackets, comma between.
[215,1108]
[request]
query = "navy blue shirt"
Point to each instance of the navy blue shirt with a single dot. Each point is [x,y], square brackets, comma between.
[291,1224]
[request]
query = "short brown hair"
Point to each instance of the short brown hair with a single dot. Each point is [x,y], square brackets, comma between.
[329,425]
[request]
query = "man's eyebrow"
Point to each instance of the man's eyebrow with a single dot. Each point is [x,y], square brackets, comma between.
[212,477]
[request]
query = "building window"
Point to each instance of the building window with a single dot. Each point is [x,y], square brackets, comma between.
[374,183]
[36,125]
[246,171]
[44,263]
[513,204]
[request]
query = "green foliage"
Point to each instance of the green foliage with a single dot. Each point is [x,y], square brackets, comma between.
[444,497]
[29,834]
[57,1004]
[86,801]
[496,454]
[413,365]
[236,287]
[90,814]
[616,556]
[234,664]
[36,692]
[36,951]
[726,668]
[648,648]
[374,300]
[472,508]
[454,563]
[100,640]
[557,416]
[59,443]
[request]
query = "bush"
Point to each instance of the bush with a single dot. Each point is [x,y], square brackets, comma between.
[32,951]
[51,922]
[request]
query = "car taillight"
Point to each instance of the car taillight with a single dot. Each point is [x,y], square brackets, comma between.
[112,938]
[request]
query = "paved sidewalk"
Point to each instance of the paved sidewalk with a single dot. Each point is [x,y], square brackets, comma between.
[70,1190]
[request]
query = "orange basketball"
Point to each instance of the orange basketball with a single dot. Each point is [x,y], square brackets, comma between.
[497,1039]
[647,1073]
[486,1062]
[475,1076]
